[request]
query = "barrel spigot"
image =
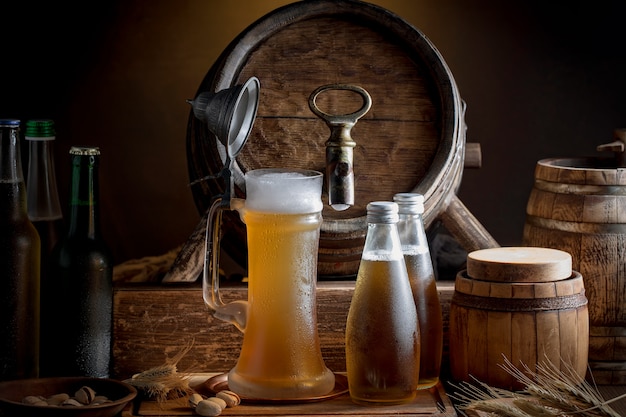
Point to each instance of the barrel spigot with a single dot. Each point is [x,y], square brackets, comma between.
[617,147]
[340,146]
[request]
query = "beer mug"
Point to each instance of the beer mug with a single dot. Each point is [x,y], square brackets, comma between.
[280,357]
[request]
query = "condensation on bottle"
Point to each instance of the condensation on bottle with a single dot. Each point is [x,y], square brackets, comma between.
[423,285]
[79,293]
[382,330]
[19,265]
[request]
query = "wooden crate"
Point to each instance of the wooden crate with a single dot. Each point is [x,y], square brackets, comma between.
[152,323]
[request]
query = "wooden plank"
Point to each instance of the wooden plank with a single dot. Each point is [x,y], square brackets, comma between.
[152,323]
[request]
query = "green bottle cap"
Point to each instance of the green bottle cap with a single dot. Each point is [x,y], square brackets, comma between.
[85,150]
[42,129]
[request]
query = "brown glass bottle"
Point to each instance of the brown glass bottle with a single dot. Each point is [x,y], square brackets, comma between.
[79,293]
[19,265]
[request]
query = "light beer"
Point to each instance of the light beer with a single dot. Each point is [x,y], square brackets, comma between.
[280,356]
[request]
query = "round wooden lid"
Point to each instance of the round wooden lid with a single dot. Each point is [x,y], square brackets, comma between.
[519,264]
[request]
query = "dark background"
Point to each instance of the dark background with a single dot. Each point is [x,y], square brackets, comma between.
[540,78]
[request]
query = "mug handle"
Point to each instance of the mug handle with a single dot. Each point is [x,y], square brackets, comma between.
[235,312]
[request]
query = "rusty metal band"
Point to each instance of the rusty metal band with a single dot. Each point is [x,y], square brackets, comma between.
[566,302]
[577,227]
[581,189]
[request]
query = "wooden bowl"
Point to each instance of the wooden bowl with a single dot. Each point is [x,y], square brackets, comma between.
[13,392]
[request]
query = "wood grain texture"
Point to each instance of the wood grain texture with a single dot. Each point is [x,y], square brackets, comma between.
[153,323]
[519,264]
[578,205]
[524,322]
[412,139]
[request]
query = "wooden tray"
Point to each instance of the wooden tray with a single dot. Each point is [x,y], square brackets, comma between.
[423,405]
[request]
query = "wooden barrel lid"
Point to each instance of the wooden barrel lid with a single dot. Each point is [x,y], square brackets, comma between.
[519,264]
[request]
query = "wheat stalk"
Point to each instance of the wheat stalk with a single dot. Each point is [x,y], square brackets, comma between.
[548,391]
[164,381]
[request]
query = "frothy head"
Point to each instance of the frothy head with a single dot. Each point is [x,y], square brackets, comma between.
[285,190]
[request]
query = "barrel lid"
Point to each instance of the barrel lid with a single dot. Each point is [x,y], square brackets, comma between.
[519,264]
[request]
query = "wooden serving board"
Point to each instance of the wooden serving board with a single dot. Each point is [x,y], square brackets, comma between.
[423,405]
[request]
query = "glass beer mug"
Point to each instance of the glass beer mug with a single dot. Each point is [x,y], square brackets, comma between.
[280,356]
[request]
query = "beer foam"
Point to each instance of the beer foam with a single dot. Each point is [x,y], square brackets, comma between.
[283,190]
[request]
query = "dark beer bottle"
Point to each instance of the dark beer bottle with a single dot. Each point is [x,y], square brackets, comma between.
[78,298]
[19,265]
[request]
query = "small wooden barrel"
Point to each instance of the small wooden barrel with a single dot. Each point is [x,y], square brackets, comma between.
[412,139]
[578,205]
[523,304]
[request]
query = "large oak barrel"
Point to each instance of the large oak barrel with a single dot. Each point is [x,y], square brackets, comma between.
[578,205]
[525,305]
[412,139]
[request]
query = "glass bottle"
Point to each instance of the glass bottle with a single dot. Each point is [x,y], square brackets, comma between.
[423,284]
[382,331]
[44,208]
[78,298]
[19,265]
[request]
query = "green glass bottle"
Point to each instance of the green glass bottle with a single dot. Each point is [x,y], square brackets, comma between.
[79,293]
[44,207]
[19,265]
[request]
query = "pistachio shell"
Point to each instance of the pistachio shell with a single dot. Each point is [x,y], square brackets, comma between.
[208,408]
[71,402]
[57,399]
[100,399]
[85,395]
[231,398]
[33,400]
[194,399]
[219,401]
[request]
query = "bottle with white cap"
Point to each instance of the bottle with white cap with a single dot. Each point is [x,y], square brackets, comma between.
[423,284]
[382,330]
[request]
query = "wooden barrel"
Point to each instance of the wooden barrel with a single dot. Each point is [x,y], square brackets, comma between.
[523,304]
[412,139]
[578,205]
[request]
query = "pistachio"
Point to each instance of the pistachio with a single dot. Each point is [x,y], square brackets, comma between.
[85,395]
[194,399]
[34,400]
[71,402]
[218,401]
[231,398]
[208,408]
[57,399]
[100,399]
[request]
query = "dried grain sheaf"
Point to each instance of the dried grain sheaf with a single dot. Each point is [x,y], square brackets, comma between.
[549,391]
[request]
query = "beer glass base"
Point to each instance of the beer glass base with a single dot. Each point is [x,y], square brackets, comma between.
[281,389]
